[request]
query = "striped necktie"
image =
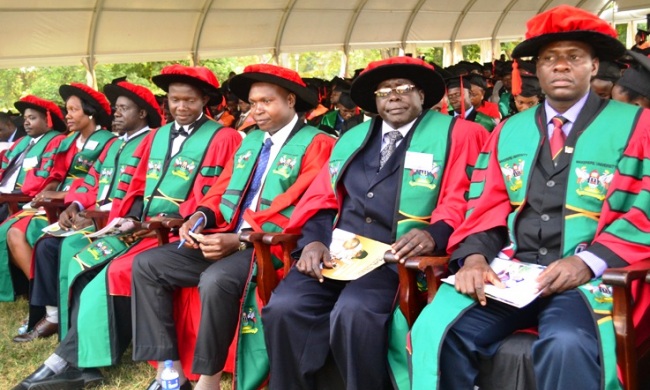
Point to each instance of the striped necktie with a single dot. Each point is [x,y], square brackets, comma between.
[557,137]
[256,183]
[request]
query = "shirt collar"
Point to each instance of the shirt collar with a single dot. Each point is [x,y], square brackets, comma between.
[571,115]
[385,128]
[126,137]
[280,136]
[35,140]
[189,127]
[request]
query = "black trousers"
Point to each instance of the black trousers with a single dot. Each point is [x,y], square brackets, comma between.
[160,271]
[565,356]
[306,319]
[45,288]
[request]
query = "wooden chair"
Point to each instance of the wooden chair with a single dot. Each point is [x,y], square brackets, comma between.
[15,201]
[634,360]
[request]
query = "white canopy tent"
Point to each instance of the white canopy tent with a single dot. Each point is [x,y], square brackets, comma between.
[67,32]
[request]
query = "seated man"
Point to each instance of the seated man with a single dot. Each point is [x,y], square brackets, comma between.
[576,206]
[257,190]
[400,178]
[167,176]
[136,111]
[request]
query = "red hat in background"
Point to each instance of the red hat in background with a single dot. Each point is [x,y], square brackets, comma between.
[418,71]
[92,97]
[52,112]
[140,95]
[288,79]
[197,76]
[567,23]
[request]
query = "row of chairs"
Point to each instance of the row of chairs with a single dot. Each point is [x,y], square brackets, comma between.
[633,359]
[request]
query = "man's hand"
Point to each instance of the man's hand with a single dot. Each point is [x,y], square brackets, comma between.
[562,275]
[219,245]
[184,231]
[414,243]
[313,254]
[68,216]
[473,275]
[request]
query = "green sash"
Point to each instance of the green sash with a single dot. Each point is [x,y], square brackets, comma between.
[165,193]
[448,306]
[84,159]
[418,188]
[252,364]
[282,174]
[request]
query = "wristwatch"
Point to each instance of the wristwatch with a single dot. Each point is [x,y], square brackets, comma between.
[242,246]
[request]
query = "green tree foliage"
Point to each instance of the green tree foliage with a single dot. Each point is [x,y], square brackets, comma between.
[45,81]
[432,54]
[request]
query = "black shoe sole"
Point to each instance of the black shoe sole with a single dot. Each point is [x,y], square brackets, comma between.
[58,384]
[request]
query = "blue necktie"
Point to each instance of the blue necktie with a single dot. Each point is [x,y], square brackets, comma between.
[256,183]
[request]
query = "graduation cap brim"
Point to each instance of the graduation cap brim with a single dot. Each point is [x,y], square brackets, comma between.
[114,91]
[241,85]
[58,124]
[426,78]
[164,80]
[103,118]
[605,47]
[454,82]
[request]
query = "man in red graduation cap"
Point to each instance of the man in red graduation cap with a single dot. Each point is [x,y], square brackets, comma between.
[399,179]
[562,186]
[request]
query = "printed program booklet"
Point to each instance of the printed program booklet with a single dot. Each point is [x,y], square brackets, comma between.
[354,255]
[519,279]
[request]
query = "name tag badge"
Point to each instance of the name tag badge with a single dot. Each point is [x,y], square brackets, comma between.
[91,145]
[30,162]
[418,161]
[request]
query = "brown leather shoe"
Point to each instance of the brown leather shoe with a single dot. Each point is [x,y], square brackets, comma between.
[42,329]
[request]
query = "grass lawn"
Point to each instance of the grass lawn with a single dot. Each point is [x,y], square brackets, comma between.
[21,359]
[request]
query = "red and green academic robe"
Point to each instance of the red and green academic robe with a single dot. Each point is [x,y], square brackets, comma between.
[99,187]
[297,164]
[166,185]
[66,165]
[609,212]
[426,195]
[31,178]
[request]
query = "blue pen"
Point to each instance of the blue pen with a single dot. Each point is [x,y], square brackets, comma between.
[198,223]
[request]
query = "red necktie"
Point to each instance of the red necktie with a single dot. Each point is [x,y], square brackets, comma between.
[558,137]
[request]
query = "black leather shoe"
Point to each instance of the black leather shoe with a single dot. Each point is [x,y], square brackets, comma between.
[45,379]
[91,376]
[154,385]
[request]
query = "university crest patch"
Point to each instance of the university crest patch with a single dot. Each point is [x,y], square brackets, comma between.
[285,165]
[424,177]
[183,168]
[242,160]
[100,249]
[592,182]
[154,169]
[248,321]
[512,174]
[82,164]
[334,168]
[105,176]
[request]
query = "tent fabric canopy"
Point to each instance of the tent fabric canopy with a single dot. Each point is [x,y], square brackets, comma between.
[65,32]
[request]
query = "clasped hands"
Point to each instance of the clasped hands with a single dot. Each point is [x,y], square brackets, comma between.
[416,242]
[561,275]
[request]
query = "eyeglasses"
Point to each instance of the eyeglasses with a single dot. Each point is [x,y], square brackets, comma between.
[399,90]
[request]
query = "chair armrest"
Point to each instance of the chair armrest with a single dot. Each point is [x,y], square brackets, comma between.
[173,223]
[267,279]
[13,201]
[99,217]
[621,281]
[159,227]
[53,208]
[411,302]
